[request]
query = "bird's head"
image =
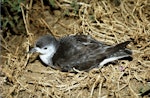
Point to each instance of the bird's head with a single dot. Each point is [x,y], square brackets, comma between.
[45,45]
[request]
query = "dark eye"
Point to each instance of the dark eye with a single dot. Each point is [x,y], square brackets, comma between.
[45,48]
[37,45]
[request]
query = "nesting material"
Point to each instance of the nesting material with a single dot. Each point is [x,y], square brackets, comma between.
[21,77]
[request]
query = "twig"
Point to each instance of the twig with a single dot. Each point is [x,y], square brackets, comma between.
[47,26]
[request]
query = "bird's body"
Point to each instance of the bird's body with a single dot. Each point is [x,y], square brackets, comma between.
[79,51]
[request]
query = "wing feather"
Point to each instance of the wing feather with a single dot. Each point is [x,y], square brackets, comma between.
[78,51]
[83,53]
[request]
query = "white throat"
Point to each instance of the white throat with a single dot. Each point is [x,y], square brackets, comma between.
[47,58]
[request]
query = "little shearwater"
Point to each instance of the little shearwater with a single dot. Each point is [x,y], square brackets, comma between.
[79,52]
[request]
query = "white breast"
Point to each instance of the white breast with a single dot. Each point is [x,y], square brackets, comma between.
[46,59]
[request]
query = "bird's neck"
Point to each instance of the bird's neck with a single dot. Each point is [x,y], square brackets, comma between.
[47,58]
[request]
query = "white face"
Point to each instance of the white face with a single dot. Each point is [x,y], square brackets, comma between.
[46,53]
[45,50]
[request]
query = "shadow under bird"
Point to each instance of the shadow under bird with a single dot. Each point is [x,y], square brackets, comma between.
[79,52]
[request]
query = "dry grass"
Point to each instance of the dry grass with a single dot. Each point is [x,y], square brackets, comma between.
[98,18]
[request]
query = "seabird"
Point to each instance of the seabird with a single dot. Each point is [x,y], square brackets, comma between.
[79,52]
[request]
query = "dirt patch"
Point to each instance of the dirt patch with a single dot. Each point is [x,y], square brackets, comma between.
[104,21]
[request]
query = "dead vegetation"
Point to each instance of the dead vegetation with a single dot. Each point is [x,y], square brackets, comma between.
[101,19]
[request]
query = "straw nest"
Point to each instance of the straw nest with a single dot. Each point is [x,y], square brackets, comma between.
[105,20]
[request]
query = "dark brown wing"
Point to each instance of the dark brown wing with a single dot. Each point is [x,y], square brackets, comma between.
[77,51]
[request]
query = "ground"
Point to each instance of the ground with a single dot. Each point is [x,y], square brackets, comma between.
[24,76]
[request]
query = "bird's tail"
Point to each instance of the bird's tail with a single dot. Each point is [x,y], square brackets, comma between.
[116,52]
[116,48]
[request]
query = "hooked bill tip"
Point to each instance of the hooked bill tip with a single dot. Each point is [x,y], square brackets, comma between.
[32,50]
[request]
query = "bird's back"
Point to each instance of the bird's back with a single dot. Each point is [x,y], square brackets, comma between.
[83,53]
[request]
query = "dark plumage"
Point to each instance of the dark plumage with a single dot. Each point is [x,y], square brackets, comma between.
[80,52]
